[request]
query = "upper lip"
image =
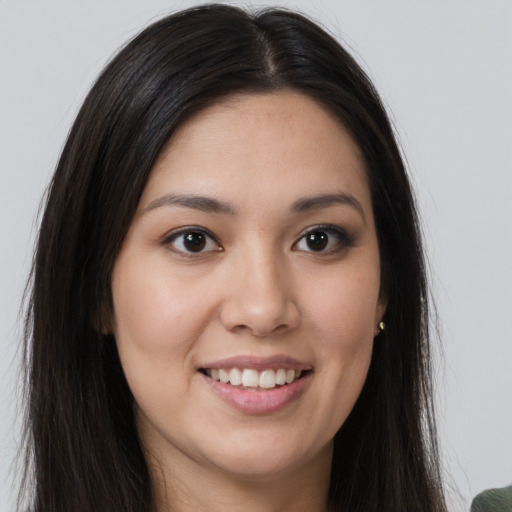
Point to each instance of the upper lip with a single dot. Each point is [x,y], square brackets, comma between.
[259,363]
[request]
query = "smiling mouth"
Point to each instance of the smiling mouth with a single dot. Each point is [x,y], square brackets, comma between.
[252,380]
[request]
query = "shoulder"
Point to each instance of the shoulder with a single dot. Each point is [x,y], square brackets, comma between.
[493,500]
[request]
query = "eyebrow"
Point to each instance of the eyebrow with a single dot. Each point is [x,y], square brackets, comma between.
[320,201]
[202,203]
[211,205]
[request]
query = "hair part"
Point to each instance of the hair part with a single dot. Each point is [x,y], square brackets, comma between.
[81,437]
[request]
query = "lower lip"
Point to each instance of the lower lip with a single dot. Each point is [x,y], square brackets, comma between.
[259,401]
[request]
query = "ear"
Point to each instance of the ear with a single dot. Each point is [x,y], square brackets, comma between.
[382,306]
[380,311]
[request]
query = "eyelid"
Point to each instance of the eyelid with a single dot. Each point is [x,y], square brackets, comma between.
[176,233]
[345,239]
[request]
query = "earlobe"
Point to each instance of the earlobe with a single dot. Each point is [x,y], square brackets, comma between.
[381,311]
[381,327]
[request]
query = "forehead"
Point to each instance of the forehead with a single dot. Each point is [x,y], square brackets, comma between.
[275,145]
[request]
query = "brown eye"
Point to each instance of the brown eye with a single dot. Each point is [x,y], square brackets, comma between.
[317,240]
[191,241]
[325,239]
[194,242]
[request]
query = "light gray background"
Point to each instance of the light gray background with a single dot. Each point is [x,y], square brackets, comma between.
[444,69]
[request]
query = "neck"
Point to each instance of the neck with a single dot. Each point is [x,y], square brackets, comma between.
[186,486]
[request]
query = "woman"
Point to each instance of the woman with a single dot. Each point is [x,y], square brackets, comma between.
[229,305]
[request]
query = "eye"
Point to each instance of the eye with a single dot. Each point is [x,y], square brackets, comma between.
[324,239]
[191,241]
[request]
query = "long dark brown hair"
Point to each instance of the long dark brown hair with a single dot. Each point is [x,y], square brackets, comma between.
[83,452]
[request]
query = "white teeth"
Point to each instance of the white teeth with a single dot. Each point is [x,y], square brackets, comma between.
[250,378]
[268,379]
[281,377]
[235,377]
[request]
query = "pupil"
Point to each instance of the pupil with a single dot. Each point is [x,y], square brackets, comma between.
[317,240]
[194,242]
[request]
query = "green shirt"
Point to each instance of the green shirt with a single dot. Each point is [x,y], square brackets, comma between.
[493,500]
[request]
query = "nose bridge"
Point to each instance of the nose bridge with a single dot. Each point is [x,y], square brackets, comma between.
[259,297]
[263,273]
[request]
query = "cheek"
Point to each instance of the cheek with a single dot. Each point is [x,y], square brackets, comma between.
[155,312]
[341,314]
[343,309]
[157,321]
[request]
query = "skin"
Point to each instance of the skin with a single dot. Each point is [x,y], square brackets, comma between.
[256,289]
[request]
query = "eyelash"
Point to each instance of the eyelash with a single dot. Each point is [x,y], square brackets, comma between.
[345,240]
[172,237]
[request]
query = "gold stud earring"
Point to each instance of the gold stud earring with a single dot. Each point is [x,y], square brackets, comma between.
[380,327]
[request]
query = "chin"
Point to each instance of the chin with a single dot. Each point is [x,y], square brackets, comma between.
[258,462]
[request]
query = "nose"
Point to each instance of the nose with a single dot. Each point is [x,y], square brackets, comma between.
[259,297]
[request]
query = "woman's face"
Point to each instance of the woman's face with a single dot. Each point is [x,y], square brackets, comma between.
[252,257]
